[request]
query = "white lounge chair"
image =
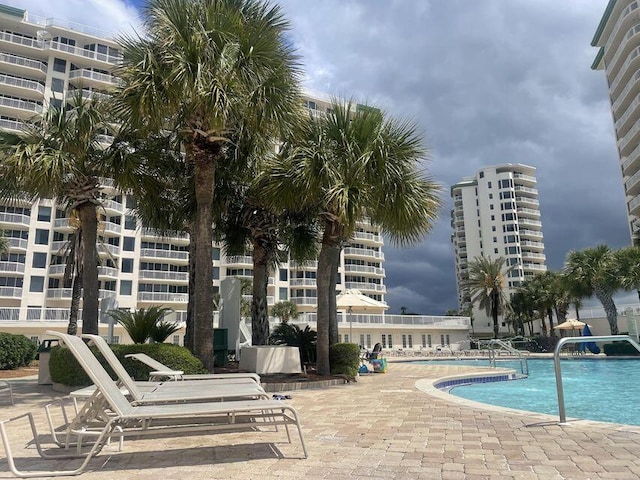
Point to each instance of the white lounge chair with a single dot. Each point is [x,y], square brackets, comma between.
[126,419]
[161,371]
[185,391]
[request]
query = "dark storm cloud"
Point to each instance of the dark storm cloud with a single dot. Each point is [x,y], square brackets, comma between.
[489,82]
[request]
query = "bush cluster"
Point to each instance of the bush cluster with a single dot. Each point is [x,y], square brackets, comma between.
[344,359]
[15,351]
[65,369]
[619,349]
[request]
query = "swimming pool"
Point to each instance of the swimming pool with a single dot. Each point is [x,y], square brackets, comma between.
[603,390]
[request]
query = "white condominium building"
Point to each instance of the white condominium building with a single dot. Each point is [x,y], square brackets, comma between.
[42,62]
[496,214]
[618,36]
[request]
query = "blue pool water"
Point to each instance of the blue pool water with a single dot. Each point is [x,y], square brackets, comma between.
[603,390]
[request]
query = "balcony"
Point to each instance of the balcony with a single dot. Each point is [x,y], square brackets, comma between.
[110,227]
[363,252]
[163,297]
[163,275]
[20,40]
[620,123]
[182,237]
[21,65]
[14,125]
[105,247]
[112,206]
[20,107]
[172,254]
[13,218]
[304,301]
[527,200]
[240,260]
[11,267]
[365,286]
[72,51]
[533,255]
[10,292]
[530,244]
[61,246]
[624,100]
[633,206]
[368,237]
[57,269]
[530,233]
[17,243]
[62,223]
[21,86]
[110,272]
[303,282]
[90,78]
[528,212]
[533,266]
[631,136]
[629,160]
[59,293]
[363,269]
[521,177]
[632,186]
[520,188]
[623,69]
[527,222]
[627,36]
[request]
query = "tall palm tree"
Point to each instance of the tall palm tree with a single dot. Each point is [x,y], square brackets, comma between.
[486,284]
[201,67]
[595,271]
[349,165]
[629,264]
[63,156]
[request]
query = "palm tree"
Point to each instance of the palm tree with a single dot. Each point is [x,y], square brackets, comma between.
[141,324]
[285,311]
[352,164]
[595,271]
[63,156]
[629,264]
[486,284]
[201,67]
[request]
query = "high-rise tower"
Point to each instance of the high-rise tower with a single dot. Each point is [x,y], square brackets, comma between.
[496,214]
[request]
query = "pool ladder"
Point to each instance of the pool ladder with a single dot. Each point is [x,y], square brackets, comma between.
[504,346]
[556,361]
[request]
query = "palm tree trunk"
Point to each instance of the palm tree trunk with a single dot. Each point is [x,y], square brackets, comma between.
[259,316]
[494,314]
[543,324]
[76,293]
[333,309]
[606,299]
[204,173]
[550,315]
[325,264]
[188,331]
[89,224]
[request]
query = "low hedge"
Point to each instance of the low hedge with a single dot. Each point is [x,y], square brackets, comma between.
[344,359]
[65,369]
[15,351]
[619,349]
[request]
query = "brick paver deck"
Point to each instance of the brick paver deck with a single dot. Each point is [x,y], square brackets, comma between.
[381,427]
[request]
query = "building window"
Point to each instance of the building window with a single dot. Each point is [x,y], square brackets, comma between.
[384,341]
[37,284]
[282,293]
[424,341]
[127,265]
[129,244]
[129,222]
[59,65]
[39,260]
[216,273]
[429,343]
[488,184]
[495,250]
[215,253]
[447,340]
[491,207]
[42,237]
[410,340]
[361,340]
[57,85]
[176,340]
[481,174]
[404,341]
[283,274]
[390,340]
[44,214]
[368,340]
[125,287]
[346,338]
[491,196]
[442,340]
[493,217]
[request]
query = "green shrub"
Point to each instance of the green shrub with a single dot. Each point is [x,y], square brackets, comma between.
[15,351]
[65,369]
[618,349]
[344,359]
[293,336]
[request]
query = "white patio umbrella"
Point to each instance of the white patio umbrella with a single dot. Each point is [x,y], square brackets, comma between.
[571,324]
[354,301]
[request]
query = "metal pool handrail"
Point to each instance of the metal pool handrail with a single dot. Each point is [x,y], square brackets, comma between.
[522,355]
[556,361]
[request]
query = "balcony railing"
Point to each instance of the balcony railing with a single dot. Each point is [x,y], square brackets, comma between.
[23,62]
[20,104]
[623,95]
[20,39]
[630,33]
[363,252]
[22,83]
[364,269]
[623,119]
[162,275]
[83,52]
[12,267]
[632,55]
[14,218]
[372,237]
[313,264]
[87,74]
[162,297]
[304,300]
[12,124]
[57,269]
[110,227]
[11,292]
[59,293]
[19,243]
[303,282]
[61,223]
[107,272]
[240,259]
[156,253]
[105,247]
[374,287]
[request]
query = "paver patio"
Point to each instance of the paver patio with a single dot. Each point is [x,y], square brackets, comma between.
[381,427]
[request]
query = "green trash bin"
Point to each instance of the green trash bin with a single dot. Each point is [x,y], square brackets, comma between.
[220,347]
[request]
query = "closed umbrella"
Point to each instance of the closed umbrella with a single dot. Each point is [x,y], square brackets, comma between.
[354,301]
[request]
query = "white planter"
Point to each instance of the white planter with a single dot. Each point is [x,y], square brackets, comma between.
[266,359]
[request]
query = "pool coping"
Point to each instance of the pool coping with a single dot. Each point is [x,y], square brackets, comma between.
[430,387]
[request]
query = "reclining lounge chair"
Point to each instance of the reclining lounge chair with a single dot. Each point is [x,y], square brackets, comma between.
[126,419]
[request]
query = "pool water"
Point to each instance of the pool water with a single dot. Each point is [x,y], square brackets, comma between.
[603,390]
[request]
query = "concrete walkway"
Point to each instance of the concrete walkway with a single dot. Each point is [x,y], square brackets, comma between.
[381,427]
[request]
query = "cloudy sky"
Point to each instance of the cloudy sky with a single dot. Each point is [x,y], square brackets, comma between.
[488,81]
